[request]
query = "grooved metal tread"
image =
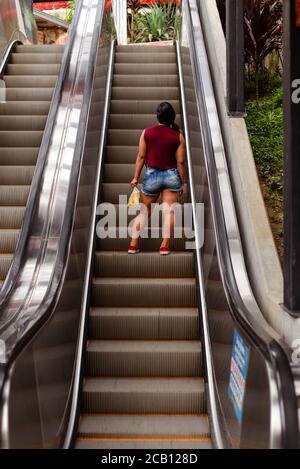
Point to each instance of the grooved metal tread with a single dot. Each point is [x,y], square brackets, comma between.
[144,395]
[143,386]
[150,264]
[30,77]
[140,426]
[143,443]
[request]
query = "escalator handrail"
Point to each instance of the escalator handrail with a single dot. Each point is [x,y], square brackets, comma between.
[6,55]
[45,309]
[79,359]
[12,274]
[42,15]
[216,429]
[243,307]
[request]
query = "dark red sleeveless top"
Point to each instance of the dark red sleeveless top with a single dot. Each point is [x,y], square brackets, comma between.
[162,144]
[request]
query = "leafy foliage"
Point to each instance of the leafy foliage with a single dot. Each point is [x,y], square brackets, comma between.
[70,11]
[263,34]
[265,127]
[156,23]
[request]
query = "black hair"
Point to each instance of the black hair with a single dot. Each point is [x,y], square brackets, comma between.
[166,115]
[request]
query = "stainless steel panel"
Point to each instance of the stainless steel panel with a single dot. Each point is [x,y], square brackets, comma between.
[16,23]
[52,266]
[224,289]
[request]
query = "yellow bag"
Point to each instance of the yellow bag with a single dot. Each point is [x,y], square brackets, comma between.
[134,199]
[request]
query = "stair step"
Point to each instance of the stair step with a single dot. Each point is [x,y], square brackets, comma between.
[118,173]
[13,195]
[5,261]
[22,122]
[11,219]
[147,68]
[18,156]
[135,121]
[37,58]
[144,93]
[150,241]
[125,106]
[29,94]
[144,426]
[143,323]
[143,395]
[150,292]
[146,80]
[141,58]
[18,108]
[42,49]
[121,444]
[8,240]
[20,138]
[145,48]
[146,264]
[27,81]
[32,69]
[140,358]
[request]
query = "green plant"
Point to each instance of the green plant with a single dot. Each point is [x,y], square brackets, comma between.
[133,9]
[70,11]
[263,34]
[157,22]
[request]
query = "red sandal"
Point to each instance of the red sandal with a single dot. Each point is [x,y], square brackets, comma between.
[133,250]
[164,251]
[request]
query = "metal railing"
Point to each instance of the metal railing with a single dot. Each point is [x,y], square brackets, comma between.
[39,312]
[274,423]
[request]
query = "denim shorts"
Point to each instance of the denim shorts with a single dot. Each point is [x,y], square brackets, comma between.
[157,180]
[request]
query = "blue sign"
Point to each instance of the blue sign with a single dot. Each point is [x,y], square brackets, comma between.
[238,374]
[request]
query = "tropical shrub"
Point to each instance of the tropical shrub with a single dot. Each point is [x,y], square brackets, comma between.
[157,22]
[263,34]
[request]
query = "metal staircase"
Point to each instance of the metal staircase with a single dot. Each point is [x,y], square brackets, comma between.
[30,78]
[143,385]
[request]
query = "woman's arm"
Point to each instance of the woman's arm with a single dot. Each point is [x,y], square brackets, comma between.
[140,160]
[180,157]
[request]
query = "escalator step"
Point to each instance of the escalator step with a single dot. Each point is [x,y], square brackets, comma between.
[143,292]
[143,443]
[18,108]
[145,49]
[5,261]
[143,323]
[8,240]
[29,94]
[13,195]
[28,122]
[11,218]
[143,426]
[20,138]
[151,68]
[40,49]
[27,81]
[148,243]
[131,121]
[146,80]
[142,58]
[32,69]
[176,265]
[125,106]
[144,395]
[37,58]
[18,156]
[138,358]
[160,94]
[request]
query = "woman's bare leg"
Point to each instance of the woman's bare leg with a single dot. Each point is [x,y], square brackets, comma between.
[168,198]
[140,220]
